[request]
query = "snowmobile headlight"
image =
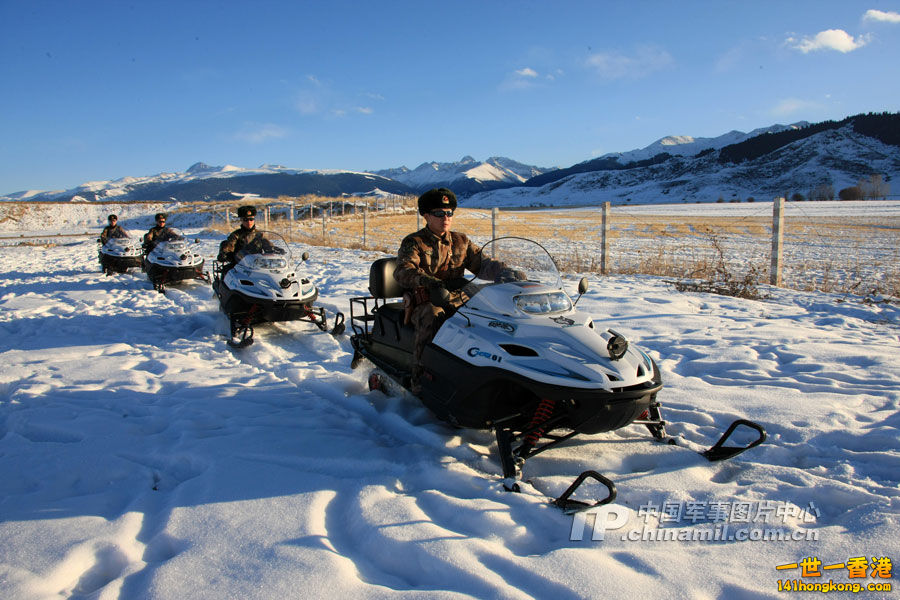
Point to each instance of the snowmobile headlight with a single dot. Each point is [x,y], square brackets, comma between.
[617,346]
[285,283]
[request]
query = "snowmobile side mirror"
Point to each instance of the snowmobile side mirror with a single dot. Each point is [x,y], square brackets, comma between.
[304,256]
[582,288]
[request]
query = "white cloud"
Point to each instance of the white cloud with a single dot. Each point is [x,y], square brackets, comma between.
[321,98]
[790,106]
[880,15]
[730,59]
[615,65]
[306,103]
[520,79]
[830,39]
[257,133]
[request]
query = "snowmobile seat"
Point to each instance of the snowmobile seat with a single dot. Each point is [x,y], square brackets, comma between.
[383,286]
[381,279]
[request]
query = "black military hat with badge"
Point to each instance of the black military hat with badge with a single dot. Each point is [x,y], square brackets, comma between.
[436,198]
[245,212]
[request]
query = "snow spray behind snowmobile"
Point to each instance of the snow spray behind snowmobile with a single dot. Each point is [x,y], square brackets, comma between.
[264,285]
[120,253]
[519,358]
[173,259]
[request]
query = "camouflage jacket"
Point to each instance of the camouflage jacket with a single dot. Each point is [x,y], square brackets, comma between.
[424,258]
[156,233]
[112,231]
[239,239]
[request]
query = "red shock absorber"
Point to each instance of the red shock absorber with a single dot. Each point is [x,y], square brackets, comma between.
[542,414]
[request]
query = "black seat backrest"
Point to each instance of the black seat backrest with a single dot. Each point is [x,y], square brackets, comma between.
[381,279]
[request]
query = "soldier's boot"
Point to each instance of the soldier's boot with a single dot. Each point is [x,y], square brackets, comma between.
[415,384]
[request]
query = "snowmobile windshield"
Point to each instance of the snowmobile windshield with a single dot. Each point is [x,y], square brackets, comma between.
[518,259]
[266,247]
[120,233]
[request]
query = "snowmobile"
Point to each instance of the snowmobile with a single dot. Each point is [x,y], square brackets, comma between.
[173,259]
[120,253]
[263,285]
[518,358]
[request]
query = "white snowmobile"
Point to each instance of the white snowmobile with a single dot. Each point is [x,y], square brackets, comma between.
[173,259]
[120,253]
[518,358]
[264,285]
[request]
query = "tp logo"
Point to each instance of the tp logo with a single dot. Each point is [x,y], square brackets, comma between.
[608,517]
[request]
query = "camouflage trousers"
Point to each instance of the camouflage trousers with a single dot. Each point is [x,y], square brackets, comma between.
[426,318]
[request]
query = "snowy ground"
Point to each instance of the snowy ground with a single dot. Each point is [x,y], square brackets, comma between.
[140,457]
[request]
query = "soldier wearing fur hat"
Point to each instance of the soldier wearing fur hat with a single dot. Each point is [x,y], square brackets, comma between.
[430,261]
[242,236]
[157,232]
[113,230]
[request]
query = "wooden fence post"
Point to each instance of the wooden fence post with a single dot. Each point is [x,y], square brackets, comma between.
[365,224]
[777,241]
[494,214]
[604,240]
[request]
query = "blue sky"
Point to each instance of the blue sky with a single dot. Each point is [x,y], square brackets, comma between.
[101,90]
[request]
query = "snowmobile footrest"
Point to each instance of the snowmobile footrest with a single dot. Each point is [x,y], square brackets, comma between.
[719,451]
[339,326]
[568,505]
[240,344]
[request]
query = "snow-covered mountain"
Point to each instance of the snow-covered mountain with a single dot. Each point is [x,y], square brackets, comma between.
[686,145]
[201,181]
[794,159]
[466,176]
[761,164]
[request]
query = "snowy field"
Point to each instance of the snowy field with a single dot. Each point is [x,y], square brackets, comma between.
[141,457]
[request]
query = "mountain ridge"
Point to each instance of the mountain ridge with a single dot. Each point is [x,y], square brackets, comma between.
[813,162]
[674,168]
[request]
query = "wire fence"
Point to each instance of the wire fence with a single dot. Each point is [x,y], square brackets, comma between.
[857,253]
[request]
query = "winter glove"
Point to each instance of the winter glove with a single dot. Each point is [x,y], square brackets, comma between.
[438,294]
[509,274]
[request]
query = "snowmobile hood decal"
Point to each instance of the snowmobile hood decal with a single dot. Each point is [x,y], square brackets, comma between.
[503,326]
[560,372]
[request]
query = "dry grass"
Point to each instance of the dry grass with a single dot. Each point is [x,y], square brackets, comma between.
[719,254]
[853,255]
